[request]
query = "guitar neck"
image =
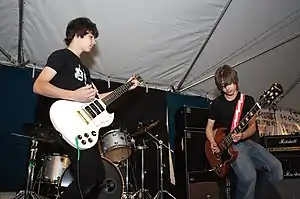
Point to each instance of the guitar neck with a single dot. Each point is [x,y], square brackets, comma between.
[228,141]
[117,93]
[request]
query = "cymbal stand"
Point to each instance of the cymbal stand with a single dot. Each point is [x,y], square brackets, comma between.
[127,194]
[28,193]
[142,192]
[160,193]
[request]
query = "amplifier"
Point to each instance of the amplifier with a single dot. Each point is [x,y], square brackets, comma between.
[286,148]
[290,165]
[206,184]
[191,118]
[281,143]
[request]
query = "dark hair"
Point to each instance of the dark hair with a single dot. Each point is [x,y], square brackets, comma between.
[80,27]
[224,76]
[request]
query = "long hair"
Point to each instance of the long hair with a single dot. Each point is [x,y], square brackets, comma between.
[224,76]
[80,27]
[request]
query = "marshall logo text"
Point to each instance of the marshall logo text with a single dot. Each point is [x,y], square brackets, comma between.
[287,141]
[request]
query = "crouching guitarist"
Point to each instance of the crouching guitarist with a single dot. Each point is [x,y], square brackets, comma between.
[247,155]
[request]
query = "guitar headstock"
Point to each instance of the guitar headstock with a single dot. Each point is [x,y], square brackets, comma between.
[271,95]
[134,81]
[138,78]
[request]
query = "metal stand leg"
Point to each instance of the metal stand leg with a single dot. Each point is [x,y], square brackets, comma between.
[142,192]
[160,193]
[127,194]
[28,193]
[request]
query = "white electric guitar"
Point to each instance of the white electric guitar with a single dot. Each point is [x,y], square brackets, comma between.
[79,123]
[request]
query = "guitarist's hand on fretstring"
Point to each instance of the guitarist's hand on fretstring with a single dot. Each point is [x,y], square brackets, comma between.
[134,81]
[84,94]
[237,137]
[214,147]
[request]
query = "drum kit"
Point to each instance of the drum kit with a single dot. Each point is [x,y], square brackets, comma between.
[115,146]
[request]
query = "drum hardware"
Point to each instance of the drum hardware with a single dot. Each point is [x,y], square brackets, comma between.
[127,192]
[147,128]
[142,192]
[28,192]
[42,133]
[160,146]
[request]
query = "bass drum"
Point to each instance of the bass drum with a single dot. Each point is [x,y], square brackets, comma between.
[113,184]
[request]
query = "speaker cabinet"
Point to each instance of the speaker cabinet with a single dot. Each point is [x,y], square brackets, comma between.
[204,190]
[205,184]
[191,118]
[190,157]
[191,167]
[194,151]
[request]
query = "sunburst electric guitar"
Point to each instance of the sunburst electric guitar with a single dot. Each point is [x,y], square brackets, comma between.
[79,123]
[220,162]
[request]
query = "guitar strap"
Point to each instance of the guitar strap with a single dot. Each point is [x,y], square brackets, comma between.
[238,112]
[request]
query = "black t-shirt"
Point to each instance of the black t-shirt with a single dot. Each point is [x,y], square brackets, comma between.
[222,110]
[71,75]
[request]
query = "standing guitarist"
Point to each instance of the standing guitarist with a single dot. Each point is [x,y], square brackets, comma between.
[65,77]
[224,113]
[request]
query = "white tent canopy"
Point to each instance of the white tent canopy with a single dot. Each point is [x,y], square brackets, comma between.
[162,40]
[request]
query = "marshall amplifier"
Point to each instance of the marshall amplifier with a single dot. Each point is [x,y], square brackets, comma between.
[282,143]
[286,148]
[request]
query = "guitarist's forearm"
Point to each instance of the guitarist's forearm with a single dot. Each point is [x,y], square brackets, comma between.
[249,131]
[49,90]
[210,135]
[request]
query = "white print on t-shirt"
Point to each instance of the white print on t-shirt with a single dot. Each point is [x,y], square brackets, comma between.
[80,74]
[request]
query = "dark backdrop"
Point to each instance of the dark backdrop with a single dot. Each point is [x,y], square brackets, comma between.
[17,105]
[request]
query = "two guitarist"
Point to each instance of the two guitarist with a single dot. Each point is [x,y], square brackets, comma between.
[225,113]
[65,77]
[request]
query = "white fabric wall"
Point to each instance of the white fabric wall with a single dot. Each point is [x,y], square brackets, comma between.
[160,39]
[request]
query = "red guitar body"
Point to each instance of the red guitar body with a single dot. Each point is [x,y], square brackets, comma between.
[220,162]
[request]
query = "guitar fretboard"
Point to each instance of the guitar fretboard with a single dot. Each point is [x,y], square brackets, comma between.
[240,127]
[117,93]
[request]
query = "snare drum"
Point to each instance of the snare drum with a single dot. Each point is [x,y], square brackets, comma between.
[54,167]
[115,145]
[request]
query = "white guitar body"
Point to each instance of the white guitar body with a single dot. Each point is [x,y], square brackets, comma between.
[72,121]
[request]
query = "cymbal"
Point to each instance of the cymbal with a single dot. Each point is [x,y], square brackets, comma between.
[31,128]
[145,129]
[33,138]
[42,133]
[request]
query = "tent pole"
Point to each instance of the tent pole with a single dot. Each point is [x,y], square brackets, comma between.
[20,42]
[291,88]
[204,44]
[8,56]
[244,61]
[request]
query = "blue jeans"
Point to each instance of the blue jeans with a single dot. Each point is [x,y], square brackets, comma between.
[251,157]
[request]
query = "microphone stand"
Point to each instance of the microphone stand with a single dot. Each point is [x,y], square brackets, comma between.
[160,146]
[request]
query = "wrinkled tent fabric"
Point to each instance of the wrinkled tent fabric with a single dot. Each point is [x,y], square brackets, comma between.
[160,39]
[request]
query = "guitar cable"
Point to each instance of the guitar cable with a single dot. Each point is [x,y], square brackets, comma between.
[77,168]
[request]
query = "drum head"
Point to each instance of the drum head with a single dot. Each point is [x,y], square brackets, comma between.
[112,185]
